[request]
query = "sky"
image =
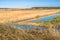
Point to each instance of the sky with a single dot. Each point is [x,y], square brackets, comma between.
[29,3]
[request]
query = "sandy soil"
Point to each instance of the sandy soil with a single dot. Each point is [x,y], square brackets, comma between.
[23,15]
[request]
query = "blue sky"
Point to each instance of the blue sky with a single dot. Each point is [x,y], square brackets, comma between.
[28,3]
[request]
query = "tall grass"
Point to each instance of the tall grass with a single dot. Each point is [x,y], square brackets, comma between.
[10,33]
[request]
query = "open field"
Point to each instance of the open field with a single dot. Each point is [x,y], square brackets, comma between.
[24,15]
[8,32]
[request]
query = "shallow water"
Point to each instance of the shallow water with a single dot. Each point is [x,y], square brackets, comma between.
[28,27]
[32,28]
[46,18]
[38,20]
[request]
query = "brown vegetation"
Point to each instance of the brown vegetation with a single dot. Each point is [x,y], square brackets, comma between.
[24,15]
[10,33]
[7,32]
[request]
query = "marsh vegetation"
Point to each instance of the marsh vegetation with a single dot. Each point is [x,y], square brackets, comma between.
[8,32]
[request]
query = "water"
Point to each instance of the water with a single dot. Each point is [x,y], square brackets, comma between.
[21,26]
[25,27]
[28,27]
[46,18]
[39,20]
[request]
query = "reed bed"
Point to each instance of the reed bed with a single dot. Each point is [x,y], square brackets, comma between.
[10,33]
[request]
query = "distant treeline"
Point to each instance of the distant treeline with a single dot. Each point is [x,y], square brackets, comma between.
[45,7]
[29,8]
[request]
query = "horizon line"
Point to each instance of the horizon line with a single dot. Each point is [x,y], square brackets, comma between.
[31,7]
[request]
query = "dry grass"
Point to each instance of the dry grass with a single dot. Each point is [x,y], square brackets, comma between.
[10,33]
[24,15]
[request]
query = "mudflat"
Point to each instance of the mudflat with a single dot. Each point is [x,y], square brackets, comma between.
[23,15]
